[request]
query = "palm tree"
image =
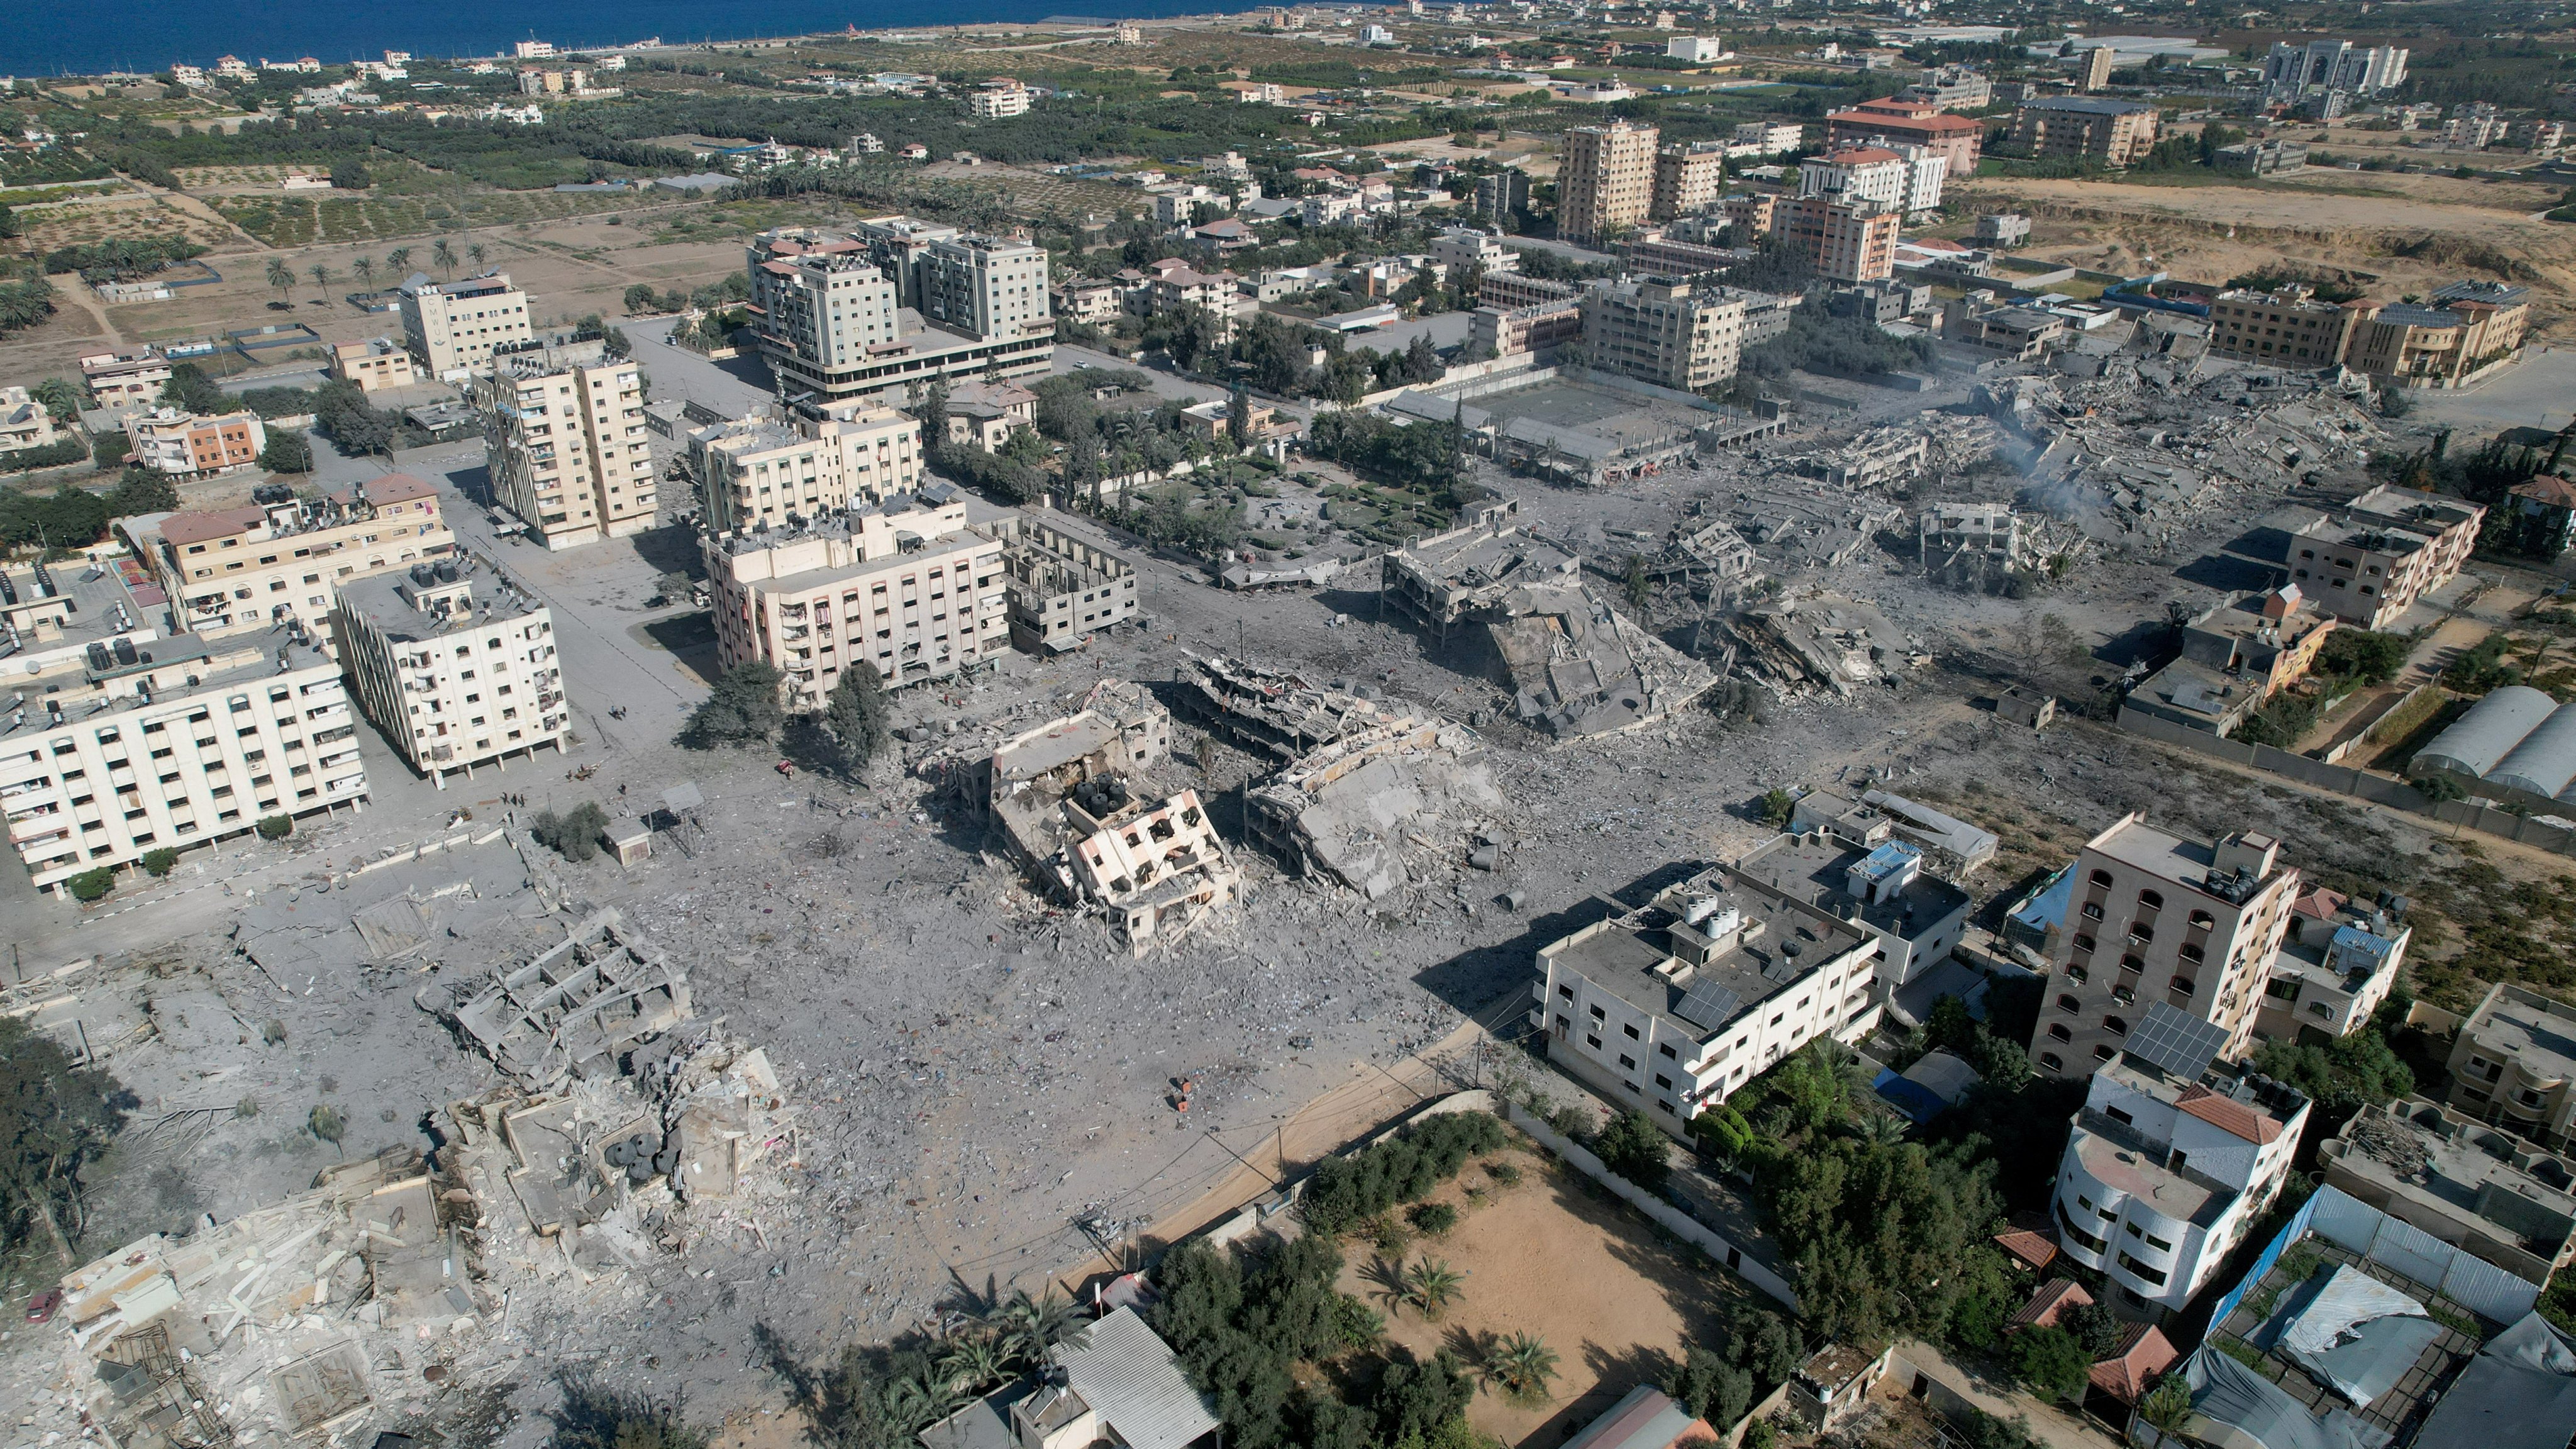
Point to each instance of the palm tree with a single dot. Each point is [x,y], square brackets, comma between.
[914,1404]
[399,259]
[1880,1129]
[1431,1286]
[1521,1366]
[443,257]
[365,267]
[321,275]
[281,276]
[475,251]
[974,1362]
[1030,1326]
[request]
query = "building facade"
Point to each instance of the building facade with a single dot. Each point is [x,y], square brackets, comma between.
[1673,1007]
[810,461]
[374,365]
[830,318]
[907,587]
[194,445]
[1655,330]
[1606,182]
[2114,133]
[2338,962]
[2465,328]
[197,746]
[2290,328]
[564,435]
[1063,588]
[2513,1063]
[451,682]
[453,327]
[1892,123]
[981,286]
[2337,65]
[2153,917]
[237,569]
[1846,243]
[2370,561]
[1688,179]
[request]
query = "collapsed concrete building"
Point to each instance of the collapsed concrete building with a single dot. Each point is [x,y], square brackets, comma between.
[1362,807]
[1075,798]
[1265,711]
[1577,665]
[1443,581]
[1984,545]
[575,1008]
[1824,640]
[1698,551]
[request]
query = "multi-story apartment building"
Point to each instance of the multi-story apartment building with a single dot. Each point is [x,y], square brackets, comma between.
[1893,123]
[1667,257]
[196,745]
[2335,65]
[830,318]
[1688,178]
[2151,917]
[564,434]
[193,445]
[1673,1007]
[2513,1063]
[1461,251]
[1606,181]
[1844,242]
[999,99]
[1510,290]
[2336,965]
[237,569]
[2093,72]
[453,327]
[373,365]
[1751,215]
[2368,562]
[1770,138]
[1497,332]
[908,587]
[895,246]
[1502,193]
[451,683]
[2289,327]
[125,381]
[1870,176]
[1655,330]
[2164,1175]
[1063,587]
[812,460]
[1952,88]
[2464,328]
[2114,133]
[1874,881]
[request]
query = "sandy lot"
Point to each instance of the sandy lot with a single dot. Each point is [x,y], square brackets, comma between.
[1586,1273]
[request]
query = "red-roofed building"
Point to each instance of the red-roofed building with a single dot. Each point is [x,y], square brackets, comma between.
[1646,1419]
[1956,139]
[2049,1304]
[2229,1114]
[2029,1247]
[2142,1357]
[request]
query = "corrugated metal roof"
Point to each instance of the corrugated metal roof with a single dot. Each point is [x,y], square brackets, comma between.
[2479,740]
[1124,1370]
[2545,762]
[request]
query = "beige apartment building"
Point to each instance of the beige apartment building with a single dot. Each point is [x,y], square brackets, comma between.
[2288,328]
[832,318]
[1606,180]
[194,445]
[908,587]
[2114,133]
[2466,328]
[373,365]
[234,569]
[2371,560]
[1063,587]
[2152,917]
[453,327]
[2513,1063]
[452,682]
[564,436]
[1656,330]
[123,381]
[196,746]
[1688,178]
[814,459]
[1845,241]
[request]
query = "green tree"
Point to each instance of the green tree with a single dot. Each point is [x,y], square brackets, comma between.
[55,1119]
[2051,1363]
[1431,1285]
[398,260]
[159,861]
[365,267]
[321,275]
[1238,419]
[288,451]
[191,390]
[1711,1388]
[327,1125]
[276,827]
[1632,1146]
[140,491]
[594,1417]
[640,298]
[1778,806]
[10,227]
[857,714]
[281,276]
[1521,1366]
[1636,583]
[575,833]
[442,255]
[2342,1076]
[742,710]
[2096,1329]
[62,398]
[474,251]
[351,176]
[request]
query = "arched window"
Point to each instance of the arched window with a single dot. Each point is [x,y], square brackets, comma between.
[2101,877]
[2058,1032]
[2083,942]
[2066,1002]
[2203,921]
[2141,932]
[2052,1061]
[2092,910]
[2133,962]
[2152,900]
[2185,986]
[2115,1026]
[2105,1052]
[2190,952]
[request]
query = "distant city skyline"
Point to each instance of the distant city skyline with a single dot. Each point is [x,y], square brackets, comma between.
[57,37]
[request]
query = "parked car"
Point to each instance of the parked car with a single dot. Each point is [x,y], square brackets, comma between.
[42,1306]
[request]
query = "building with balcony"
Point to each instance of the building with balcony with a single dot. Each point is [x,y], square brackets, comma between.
[452,680]
[842,314]
[1063,587]
[2113,133]
[2288,328]
[1900,122]
[236,569]
[1846,242]
[2335,966]
[1606,181]
[1656,329]
[905,585]
[1875,882]
[2464,329]
[2500,1198]
[2512,1064]
[1671,1007]
[2368,562]
[2165,1173]
[804,461]
[565,436]
[125,381]
[24,421]
[1687,180]
[182,743]
[998,99]
[193,445]
[2156,918]
[373,365]
[453,327]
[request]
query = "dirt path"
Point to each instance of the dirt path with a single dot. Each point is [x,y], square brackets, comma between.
[69,288]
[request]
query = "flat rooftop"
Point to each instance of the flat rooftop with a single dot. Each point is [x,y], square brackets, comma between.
[386,602]
[1813,869]
[1779,941]
[2135,1171]
[2541,1042]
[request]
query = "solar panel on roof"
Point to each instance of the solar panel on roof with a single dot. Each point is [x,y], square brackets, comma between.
[1708,1006]
[2176,1042]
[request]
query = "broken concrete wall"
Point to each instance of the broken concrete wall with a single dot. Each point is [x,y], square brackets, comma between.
[1364,809]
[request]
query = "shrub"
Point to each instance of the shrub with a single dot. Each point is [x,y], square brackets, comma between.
[1346,1191]
[325,1122]
[158,860]
[574,834]
[92,885]
[2051,1363]
[1632,1146]
[50,455]
[1434,1218]
[276,827]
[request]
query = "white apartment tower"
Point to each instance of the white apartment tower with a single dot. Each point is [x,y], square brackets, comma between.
[452,683]
[985,287]
[453,327]
[565,436]
[817,459]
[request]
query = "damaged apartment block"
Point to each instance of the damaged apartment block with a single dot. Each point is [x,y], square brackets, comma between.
[576,1008]
[1358,808]
[1076,802]
[1063,588]
[1268,712]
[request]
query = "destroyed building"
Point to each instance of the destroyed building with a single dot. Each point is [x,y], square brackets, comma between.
[575,1008]
[1268,712]
[1063,587]
[1362,807]
[1983,545]
[1825,640]
[1577,665]
[1696,550]
[1074,798]
[1440,581]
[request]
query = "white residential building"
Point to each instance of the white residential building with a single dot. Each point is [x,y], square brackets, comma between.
[1870,176]
[198,745]
[451,682]
[1771,138]
[2164,1175]
[985,287]
[1697,49]
[564,433]
[1459,250]
[1672,1007]
[816,458]
[2335,65]
[831,307]
[453,327]
[999,99]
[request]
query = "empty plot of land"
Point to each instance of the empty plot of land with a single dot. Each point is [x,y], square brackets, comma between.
[1618,416]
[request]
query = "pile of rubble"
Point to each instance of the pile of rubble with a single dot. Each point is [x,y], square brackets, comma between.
[1361,808]
[1578,666]
[1821,640]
